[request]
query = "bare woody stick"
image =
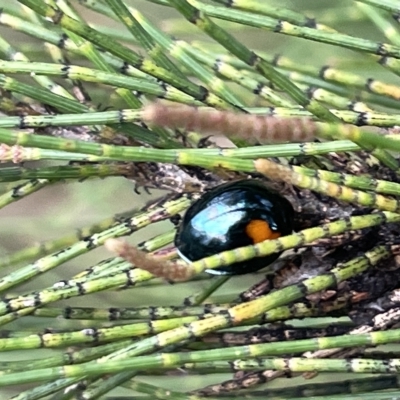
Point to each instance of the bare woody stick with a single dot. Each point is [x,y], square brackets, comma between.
[254,128]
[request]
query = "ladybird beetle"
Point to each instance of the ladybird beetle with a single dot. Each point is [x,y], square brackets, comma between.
[233,215]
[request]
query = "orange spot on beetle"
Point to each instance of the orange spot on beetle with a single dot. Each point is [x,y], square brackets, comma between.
[259,230]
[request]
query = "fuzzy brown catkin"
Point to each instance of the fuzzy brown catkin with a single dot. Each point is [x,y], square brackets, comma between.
[254,128]
[173,271]
[274,171]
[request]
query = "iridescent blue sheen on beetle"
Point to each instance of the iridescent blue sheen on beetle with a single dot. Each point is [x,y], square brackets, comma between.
[233,215]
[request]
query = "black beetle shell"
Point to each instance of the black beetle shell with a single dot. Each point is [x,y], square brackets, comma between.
[217,222]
